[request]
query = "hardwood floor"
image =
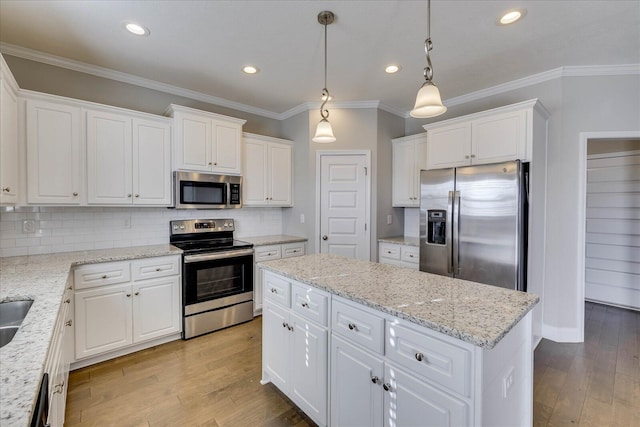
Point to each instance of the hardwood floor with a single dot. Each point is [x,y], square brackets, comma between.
[214,380]
[595,383]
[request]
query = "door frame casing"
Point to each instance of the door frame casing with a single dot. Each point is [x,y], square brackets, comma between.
[582,215]
[367,219]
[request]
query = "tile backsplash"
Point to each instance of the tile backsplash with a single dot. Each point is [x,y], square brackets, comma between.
[64,229]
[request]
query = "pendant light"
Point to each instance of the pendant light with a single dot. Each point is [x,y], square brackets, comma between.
[428,101]
[324,132]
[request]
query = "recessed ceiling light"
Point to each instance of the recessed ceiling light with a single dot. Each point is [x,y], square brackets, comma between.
[512,16]
[137,29]
[250,69]
[391,69]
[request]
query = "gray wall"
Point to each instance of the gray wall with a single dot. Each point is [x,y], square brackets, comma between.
[576,104]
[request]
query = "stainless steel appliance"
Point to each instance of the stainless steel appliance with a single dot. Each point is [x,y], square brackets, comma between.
[217,275]
[196,190]
[473,223]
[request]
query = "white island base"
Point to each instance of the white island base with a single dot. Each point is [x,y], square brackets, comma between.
[347,364]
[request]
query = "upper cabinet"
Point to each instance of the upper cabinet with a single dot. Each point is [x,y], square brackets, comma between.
[409,157]
[268,171]
[128,160]
[55,166]
[491,136]
[8,136]
[206,141]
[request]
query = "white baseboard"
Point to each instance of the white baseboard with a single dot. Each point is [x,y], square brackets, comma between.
[561,334]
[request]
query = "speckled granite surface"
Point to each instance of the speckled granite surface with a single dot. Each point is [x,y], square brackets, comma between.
[401,240]
[43,279]
[472,312]
[276,239]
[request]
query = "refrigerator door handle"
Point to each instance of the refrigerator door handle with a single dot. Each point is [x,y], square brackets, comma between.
[448,232]
[456,233]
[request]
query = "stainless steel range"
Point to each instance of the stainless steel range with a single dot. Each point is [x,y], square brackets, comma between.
[217,282]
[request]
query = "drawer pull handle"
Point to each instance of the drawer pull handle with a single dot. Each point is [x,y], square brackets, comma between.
[158,269]
[274,291]
[410,255]
[68,323]
[353,327]
[388,252]
[305,304]
[419,357]
[104,276]
[375,380]
[67,301]
[386,387]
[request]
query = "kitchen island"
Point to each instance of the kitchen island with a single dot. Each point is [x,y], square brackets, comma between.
[352,341]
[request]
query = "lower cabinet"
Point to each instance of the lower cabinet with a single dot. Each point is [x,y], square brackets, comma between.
[295,348]
[399,255]
[115,309]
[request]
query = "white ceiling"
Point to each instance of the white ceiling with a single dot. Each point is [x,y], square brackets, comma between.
[202,45]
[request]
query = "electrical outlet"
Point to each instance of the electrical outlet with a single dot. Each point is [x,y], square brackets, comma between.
[301,218]
[127,222]
[389,219]
[507,383]
[29,226]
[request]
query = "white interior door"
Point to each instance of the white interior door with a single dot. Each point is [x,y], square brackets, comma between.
[344,205]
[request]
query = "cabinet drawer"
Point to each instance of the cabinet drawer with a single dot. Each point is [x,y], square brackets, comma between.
[151,268]
[310,302]
[357,325]
[292,249]
[277,289]
[89,276]
[410,254]
[267,253]
[436,360]
[388,250]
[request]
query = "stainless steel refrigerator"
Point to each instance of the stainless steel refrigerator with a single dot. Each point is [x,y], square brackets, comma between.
[473,223]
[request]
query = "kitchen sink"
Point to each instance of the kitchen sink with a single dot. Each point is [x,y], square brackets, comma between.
[12,314]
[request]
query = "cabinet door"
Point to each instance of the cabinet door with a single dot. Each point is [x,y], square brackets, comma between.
[103,319]
[412,402]
[156,308]
[403,175]
[193,142]
[449,146]
[499,138]
[151,163]
[8,144]
[308,364]
[280,175]
[109,161]
[356,386]
[276,345]
[54,153]
[227,148]
[254,181]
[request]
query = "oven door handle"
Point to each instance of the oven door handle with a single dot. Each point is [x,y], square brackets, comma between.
[217,255]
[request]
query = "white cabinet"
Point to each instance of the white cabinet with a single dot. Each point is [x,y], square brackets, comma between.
[206,141]
[409,157]
[55,166]
[128,160]
[295,347]
[492,136]
[268,253]
[112,311]
[399,255]
[267,171]
[9,172]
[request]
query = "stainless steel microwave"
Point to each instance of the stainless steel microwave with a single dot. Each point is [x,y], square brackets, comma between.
[196,190]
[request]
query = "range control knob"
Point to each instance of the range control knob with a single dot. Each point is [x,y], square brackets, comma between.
[182,227]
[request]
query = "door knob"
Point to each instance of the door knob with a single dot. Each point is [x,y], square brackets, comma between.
[325,237]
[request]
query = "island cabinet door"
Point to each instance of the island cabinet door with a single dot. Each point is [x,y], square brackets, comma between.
[410,401]
[356,386]
[276,345]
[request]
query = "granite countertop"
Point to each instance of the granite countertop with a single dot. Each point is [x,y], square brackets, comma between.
[472,312]
[275,239]
[42,278]
[401,240]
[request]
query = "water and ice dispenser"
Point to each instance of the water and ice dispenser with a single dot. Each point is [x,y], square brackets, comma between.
[436,226]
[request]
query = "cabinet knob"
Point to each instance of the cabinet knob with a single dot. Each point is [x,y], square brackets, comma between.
[274,291]
[325,237]
[410,255]
[6,189]
[137,195]
[290,328]
[158,269]
[68,323]
[104,276]
[209,163]
[266,198]
[128,195]
[305,304]
[67,301]
[386,387]
[215,163]
[75,194]
[473,156]
[353,327]
[128,295]
[466,157]
[284,325]
[137,293]
[419,357]
[375,379]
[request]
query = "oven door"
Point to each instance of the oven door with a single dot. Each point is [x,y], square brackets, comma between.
[218,279]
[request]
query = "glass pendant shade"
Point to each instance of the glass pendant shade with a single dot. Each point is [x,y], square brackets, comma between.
[324,132]
[428,102]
